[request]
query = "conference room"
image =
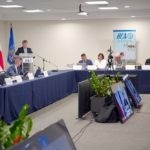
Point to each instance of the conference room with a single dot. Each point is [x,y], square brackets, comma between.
[74,74]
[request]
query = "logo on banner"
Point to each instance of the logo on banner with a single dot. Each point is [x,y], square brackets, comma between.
[125,36]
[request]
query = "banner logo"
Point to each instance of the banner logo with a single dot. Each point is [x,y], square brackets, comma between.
[125,36]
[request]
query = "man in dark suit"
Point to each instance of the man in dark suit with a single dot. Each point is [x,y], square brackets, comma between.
[24,48]
[14,69]
[85,60]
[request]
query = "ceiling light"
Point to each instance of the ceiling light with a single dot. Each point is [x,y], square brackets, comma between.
[97,2]
[48,10]
[9,0]
[10,6]
[33,11]
[63,19]
[104,8]
[126,6]
[82,13]
[132,16]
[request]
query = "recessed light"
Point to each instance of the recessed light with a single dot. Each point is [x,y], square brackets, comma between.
[48,10]
[9,0]
[33,11]
[132,16]
[63,19]
[104,8]
[126,6]
[97,2]
[10,6]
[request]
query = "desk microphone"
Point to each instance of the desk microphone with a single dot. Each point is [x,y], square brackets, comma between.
[55,66]
[48,62]
[36,66]
[38,71]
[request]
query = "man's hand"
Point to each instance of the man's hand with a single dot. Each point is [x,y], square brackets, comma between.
[13,77]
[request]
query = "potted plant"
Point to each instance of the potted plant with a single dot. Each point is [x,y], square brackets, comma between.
[18,131]
[102,89]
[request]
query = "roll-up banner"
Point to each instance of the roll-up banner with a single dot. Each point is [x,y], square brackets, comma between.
[125,45]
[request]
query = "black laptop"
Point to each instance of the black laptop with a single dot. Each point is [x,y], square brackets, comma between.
[2,77]
[54,137]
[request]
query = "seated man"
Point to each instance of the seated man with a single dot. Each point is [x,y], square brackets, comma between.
[14,69]
[122,56]
[85,60]
[119,62]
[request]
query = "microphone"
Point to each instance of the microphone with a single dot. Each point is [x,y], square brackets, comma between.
[36,66]
[48,62]
[55,66]
[38,71]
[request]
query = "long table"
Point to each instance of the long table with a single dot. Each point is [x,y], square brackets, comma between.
[38,93]
[43,91]
[143,77]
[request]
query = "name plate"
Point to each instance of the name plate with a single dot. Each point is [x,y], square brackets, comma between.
[8,81]
[124,78]
[19,79]
[77,67]
[130,67]
[27,60]
[45,73]
[30,75]
[145,67]
[91,67]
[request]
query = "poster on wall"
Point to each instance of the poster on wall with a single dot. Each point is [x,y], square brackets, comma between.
[125,45]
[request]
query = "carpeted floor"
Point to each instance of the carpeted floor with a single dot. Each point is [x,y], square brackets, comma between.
[132,135]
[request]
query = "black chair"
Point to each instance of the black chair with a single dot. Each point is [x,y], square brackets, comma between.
[147,62]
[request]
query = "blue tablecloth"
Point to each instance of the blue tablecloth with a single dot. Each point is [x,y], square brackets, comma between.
[43,91]
[143,77]
[38,93]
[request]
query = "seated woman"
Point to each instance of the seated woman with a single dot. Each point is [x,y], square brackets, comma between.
[100,63]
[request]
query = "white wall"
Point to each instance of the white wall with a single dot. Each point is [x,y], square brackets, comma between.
[63,42]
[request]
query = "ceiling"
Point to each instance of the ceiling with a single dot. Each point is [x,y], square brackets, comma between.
[68,9]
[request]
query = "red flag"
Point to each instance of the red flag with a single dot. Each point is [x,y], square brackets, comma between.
[1,59]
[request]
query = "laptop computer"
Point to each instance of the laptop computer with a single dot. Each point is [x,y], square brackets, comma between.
[83,65]
[2,77]
[54,137]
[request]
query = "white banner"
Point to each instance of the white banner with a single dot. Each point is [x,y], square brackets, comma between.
[125,43]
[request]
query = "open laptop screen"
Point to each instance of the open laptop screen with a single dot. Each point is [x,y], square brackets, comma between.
[122,101]
[134,95]
[54,137]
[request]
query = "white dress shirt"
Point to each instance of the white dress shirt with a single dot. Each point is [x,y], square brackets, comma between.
[101,64]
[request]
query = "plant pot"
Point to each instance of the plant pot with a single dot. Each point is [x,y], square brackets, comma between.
[98,102]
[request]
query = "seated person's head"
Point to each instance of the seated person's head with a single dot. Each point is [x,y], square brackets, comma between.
[117,56]
[84,58]
[16,60]
[122,54]
[100,56]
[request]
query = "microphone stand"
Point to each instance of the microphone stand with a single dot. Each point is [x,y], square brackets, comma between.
[43,61]
[48,62]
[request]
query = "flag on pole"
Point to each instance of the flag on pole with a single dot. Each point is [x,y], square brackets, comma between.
[11,49]
[1,59]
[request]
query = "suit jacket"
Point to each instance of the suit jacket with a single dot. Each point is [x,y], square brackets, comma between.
[88,62]
[21,50]
[147,61]
[11,71]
